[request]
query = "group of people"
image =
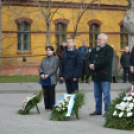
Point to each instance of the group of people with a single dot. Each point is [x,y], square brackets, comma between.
[80,63]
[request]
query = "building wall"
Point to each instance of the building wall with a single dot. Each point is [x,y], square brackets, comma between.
[109,13]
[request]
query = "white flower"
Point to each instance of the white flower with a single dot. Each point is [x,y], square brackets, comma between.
[57,109]
[59,105]
[115,113]
[121,114]
[125,99]
[133,100]
[129,114]
[131,105]
[128,109]
[66,100]
[121,106]
[63,108]
[63,103]
[132,93]
[130,98]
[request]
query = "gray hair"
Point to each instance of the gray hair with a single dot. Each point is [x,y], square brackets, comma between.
[127,47]
[71,39]
[85,41]
[103,35]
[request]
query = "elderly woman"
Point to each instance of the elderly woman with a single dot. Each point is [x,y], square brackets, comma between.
[48,73]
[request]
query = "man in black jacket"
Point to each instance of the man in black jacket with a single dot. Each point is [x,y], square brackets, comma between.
[125,62]
[100,62]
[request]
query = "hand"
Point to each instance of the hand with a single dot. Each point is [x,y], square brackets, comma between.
[75,79]
[46,76]
[61,78]
[43,76]
[131,69]
[91,66]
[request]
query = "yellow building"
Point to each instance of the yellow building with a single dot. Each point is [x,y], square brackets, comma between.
[24,26]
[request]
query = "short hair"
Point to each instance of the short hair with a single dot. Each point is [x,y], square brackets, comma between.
[50,47]
[127,47]
[85,41]
[64,41]
[103,35]
[70,39]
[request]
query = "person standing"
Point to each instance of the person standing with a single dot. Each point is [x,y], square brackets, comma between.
[48,68]
[85,50]
[125,62]
[100,62]
[59,53]
[115,67]
[71,66]
[132,64]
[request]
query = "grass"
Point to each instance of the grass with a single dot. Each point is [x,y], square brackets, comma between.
[18,79]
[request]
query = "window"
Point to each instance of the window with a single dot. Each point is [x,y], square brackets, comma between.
[123,37]
[23,36]
[60,33]
[94,30]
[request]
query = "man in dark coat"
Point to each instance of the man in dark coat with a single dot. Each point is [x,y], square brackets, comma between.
[59,53]
[125,62]
[85,50]
[100,62]
[71,66]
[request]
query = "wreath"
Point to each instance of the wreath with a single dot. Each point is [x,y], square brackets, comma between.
[67,106]
[31,102]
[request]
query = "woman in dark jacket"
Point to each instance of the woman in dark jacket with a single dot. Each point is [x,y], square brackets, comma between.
[48,73]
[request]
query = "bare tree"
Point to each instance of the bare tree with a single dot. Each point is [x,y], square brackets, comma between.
[48,18]
[79,17]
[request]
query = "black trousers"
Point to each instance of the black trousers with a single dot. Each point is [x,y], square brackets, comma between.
[127,74]
[49,96]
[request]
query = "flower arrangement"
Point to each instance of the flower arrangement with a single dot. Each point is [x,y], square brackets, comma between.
[63,105]
[121,111]
[67,106]
[30,102]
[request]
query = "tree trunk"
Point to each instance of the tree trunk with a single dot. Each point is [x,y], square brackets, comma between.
[48,34]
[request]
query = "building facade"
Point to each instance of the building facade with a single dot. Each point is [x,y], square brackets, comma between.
[24,29]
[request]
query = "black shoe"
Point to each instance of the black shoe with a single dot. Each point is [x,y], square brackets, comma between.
[95,113]
[105,115]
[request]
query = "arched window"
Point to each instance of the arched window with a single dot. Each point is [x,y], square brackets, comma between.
[123,37]
[60,33]
[23,36]
[94,30]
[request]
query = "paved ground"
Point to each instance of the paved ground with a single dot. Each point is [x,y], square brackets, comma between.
[31,87]
[12,123]
[12,96]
